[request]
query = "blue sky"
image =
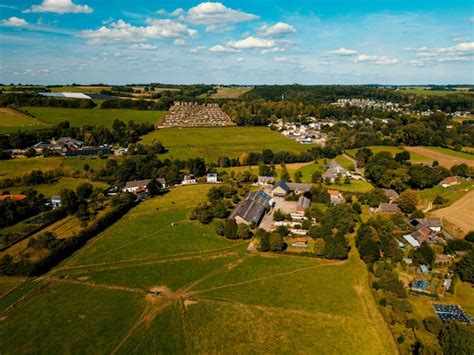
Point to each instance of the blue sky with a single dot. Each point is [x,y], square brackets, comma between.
[237,42]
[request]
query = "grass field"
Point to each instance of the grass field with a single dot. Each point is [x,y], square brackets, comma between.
[416,157]
[49,190]
[427,91]
[11,121]
[229,93]
[18,167]
[445,157]
[100,117]
[450,194]
[211,143]
[215,296]
[81,89]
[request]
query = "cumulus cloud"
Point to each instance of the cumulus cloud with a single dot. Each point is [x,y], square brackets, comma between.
[222,49]
[123,31]
[179,42]
[252,43]
[240,60]
[382,60]
[214,15]
[278,29]
[461,52]
[283,60]
[416,63]
[60,7]
[342,52]
[143,46]
[470,19]
[15,22]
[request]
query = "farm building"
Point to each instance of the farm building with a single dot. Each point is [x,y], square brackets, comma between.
[303,204]
[426,235]
[412,241]
[138,186]
[334,171]
[435,224]
[282,188]
[391,194]
[252,209]
[265,180]
[66,95]
[300,243]
[388,208]
[450,181]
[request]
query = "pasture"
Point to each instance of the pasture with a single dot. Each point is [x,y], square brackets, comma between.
[51,116]
[428,92]
[49,190]
[416,156]
[212,295]
[12,121]
[457,218]
[446,157]
[81,89]
[22,166]
[211,143]
[229,92]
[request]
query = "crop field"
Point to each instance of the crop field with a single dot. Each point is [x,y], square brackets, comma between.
[428,92]
[445,157]
[211,143]
[229,93]
[449,194]
[12,121]
[51,116]
[457,218]
[81,89]
[212,296]
[22,166]
[49,190]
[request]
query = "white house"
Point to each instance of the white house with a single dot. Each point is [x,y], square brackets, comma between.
[212,178]
[188,180]
[56,201]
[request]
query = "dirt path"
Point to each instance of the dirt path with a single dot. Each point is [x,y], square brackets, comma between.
[443,159]
[460,215]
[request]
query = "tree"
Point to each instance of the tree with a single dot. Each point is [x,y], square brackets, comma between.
[69,201]
[298,176]
[439,200]
[230,228]
[153,187]
[278,216]
[407,201]
[276,242]
[84,190]
[460,170]
[465,268]
[263,238]
[283,231]
[424,255]
[284,172]
[456,338]
[316,176]
[402,157]
[243,231]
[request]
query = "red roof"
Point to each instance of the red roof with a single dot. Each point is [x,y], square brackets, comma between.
[12,197]
[334,192]
[451,180]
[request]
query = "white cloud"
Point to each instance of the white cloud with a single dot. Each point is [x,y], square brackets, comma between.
[143,46]
[273,50]
[382,60]
[221,49]
[470,19]
[214,15]
[60,7]
[461,52]
[15,22]
[278,29]
[240,60]
[416,63]
[342,52]
[252,43]
[283,60]
[123,31]
[179,42]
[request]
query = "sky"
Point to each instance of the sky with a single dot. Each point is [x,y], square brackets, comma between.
[245,42]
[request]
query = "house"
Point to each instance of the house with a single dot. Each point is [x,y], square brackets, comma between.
[447,284]
[306,140]
[424,269]
[334,171]
[450,181]
[281,189]
[421,285]
[434,224]
[300,243]
[388,208]
[252,209]
[139,186]
[303,204]
[336,197]
[56,201]
[299,188]
[188,180]
[442,259]
[426,235]
[412,241]
[265,180]
[391,194]
[212,178]
[12,197]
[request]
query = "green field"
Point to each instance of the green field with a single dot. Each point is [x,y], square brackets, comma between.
[22,166]
[415,157]
[211,143]
[229,92]
[452,153]
[49,190]
[81,89]
[428,92]
[11,121]
[215,296]
[450,194]
[100,117]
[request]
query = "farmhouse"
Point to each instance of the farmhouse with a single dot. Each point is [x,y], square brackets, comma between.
[12,197]
[336,197]
[435,224]
[192,114]
[388,208]
[426,235]
[391,194]
[265,180]
[334,171]
[282,188]
[450,181]
[56,201]
[188,180]
[212,178]
[138,186]
[252,209]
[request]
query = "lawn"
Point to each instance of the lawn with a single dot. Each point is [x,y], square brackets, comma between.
[49,190]
[211,143]
[11,121]
[99,117]
[450,194]
[215,296]
[22,166]
[77,163]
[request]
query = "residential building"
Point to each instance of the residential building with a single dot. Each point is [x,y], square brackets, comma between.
[212,178]
[282,188]
[412,241]
[334,171]
[388,208]
[188,180]
[139,186]
[265,180]
[391,194]
[450,181]
[336,197]
[12,197]
[56,201]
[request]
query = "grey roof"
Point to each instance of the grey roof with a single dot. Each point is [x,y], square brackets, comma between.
[304,202]
[433,222]
[283,185]
[253,208]
[261,197]
[334,170]
[389,207]
[299,187]
[137,183]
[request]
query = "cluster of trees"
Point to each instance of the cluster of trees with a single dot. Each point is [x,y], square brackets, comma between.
[35,177]
[77,202]
[29,99]
[14,211]
[220,202]
[267,241]
[59,249]
[453,337]
[231,230]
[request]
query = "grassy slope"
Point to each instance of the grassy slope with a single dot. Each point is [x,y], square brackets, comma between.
[223,299]
[11,121]
[210,143]
[450,152]
[18,167]
[80,89]
[79,117]
[229,93]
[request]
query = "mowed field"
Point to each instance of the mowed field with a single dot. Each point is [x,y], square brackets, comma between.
[100,117]
[22,166]
[229,93]
[12,121]
[80,89]
[445,157]
[211,143]
[459,217]
[214,297]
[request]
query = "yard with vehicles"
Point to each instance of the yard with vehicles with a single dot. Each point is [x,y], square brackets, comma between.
[156,272]
[212,143]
